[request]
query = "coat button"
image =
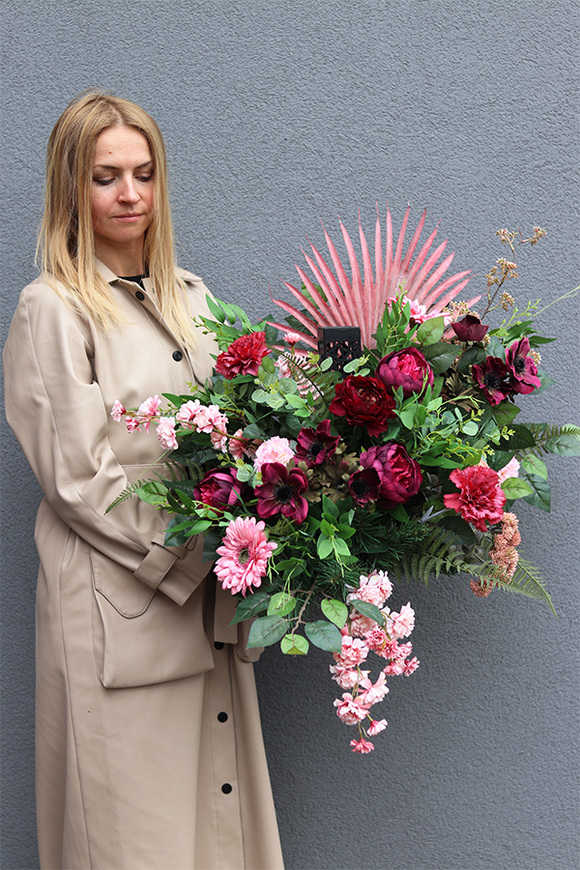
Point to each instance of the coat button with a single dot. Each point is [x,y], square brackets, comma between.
[218,644]
[140,295]
[177,355]
[222,717]
[226,788]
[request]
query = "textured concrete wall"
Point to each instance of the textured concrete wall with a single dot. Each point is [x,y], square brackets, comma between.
[276,115]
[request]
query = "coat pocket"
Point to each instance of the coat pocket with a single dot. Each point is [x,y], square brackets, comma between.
[151,639]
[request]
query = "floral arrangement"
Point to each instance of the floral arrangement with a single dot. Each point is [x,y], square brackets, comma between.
[319,475]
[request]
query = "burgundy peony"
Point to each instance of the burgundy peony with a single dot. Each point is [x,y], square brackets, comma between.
[522,367]
[400,476]
[220,488]
[243,356]
[314,445]
[364,402]
[469,328]
[480,499]
[406,368]
[494,378]
[281,492]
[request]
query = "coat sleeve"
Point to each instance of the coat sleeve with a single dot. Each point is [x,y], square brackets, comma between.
[57,412]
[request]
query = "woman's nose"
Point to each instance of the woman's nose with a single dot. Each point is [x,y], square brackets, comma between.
[128,191]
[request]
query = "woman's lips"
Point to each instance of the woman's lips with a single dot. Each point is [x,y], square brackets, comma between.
[128,218]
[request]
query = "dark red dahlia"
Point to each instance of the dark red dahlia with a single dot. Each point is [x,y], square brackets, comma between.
[314,445]
[480,498]
[364,402]
[406,368]
[494,378]
[281,492]
[400,476]
[243,356]
[469,328]
[522,367]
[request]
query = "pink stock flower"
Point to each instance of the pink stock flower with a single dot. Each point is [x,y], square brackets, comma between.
[244,555]
[373,693]
[166,433]
[510,470]
[208,418]
[402,624]
[480,498]
[117,411]
[148,410]
[362,746]
[243,356]
[394,668]
[360,625]
[219,439]
[275,449]
[376,727]
[375,589]
[350,710]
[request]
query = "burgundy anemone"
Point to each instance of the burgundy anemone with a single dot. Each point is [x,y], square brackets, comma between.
[494,378]
[469,328]
[314,445]
[281,492]
[522,367]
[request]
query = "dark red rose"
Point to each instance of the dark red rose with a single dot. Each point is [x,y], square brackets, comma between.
[365,485]
[406,368]
[494,378]
[400,475]
[480,497]
[219,488]
[364,402]
[522,367]
[243,356]
[314,445]
[469,328]
[281,492]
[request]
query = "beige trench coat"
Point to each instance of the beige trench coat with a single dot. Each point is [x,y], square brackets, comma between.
[149,746]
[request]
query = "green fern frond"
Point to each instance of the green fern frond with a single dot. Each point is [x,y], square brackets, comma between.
[429,559]
[527,580]
[127,493]
[322,382]
[563,440]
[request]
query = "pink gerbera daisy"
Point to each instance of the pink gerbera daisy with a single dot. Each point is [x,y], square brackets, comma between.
[244,555]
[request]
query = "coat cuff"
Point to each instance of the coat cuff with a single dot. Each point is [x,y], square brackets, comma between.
[175,571]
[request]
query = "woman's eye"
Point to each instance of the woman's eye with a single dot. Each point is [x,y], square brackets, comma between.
[103,181]
[145,178]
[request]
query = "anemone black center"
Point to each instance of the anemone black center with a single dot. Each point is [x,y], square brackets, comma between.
[520,364]
[283,493]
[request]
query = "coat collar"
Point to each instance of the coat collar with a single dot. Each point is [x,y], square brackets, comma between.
[110,276]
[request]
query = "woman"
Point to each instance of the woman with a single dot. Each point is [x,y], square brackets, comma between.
[149,747]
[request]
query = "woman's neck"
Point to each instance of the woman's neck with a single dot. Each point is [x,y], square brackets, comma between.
[121,261]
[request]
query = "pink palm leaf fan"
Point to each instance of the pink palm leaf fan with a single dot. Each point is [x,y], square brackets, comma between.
[361,301]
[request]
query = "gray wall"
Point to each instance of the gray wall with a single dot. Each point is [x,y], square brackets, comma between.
[276,115]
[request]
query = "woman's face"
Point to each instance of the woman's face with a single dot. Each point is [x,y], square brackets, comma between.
[122,189]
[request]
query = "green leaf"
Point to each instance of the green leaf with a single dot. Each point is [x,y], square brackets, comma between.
[267,630]
[324,547]
[399,513]
[440,356]
[474,354]
[371,611]
[470,428]
[335,611]
[250,607]
[324,635]
[505,412]
[407,417]
[534,465]
[340,547]
[154,493]
[515,487]
[281,604]
[329,507]
[254,431]
[215,309]
[521,439]
[294,645]
[431,330]
[541,496]
[561,445]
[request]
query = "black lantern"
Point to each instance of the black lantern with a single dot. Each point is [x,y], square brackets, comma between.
[340,343]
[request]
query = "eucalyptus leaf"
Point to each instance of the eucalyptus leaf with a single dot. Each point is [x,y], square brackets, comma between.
[266,630]
[324,635]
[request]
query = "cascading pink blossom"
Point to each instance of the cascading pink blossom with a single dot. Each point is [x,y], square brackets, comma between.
[166,433]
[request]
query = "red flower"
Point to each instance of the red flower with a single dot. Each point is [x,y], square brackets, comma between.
[243,356]
[220,488]
[365,485]
[406,368]
[364,402]
[522,367]
[469,328]
[281,492]
[314,445]
[400,476]
[480,498]
[494,378]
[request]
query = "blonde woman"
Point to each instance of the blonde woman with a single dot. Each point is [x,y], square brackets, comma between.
[149,747]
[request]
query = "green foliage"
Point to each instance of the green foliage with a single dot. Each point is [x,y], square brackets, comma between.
[561,440]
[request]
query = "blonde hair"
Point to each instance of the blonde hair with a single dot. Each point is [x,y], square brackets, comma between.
[66,243]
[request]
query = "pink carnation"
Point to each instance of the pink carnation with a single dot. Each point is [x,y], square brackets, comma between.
[166,433]
[350,710]
[375,589]
[347,678]
[237,444]
[208,418]
[362,746]
[117,411]
[275,449]
[480,498]
[244,555]
[131,423]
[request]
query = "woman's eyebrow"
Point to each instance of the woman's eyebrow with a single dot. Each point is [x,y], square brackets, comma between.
[110,166]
